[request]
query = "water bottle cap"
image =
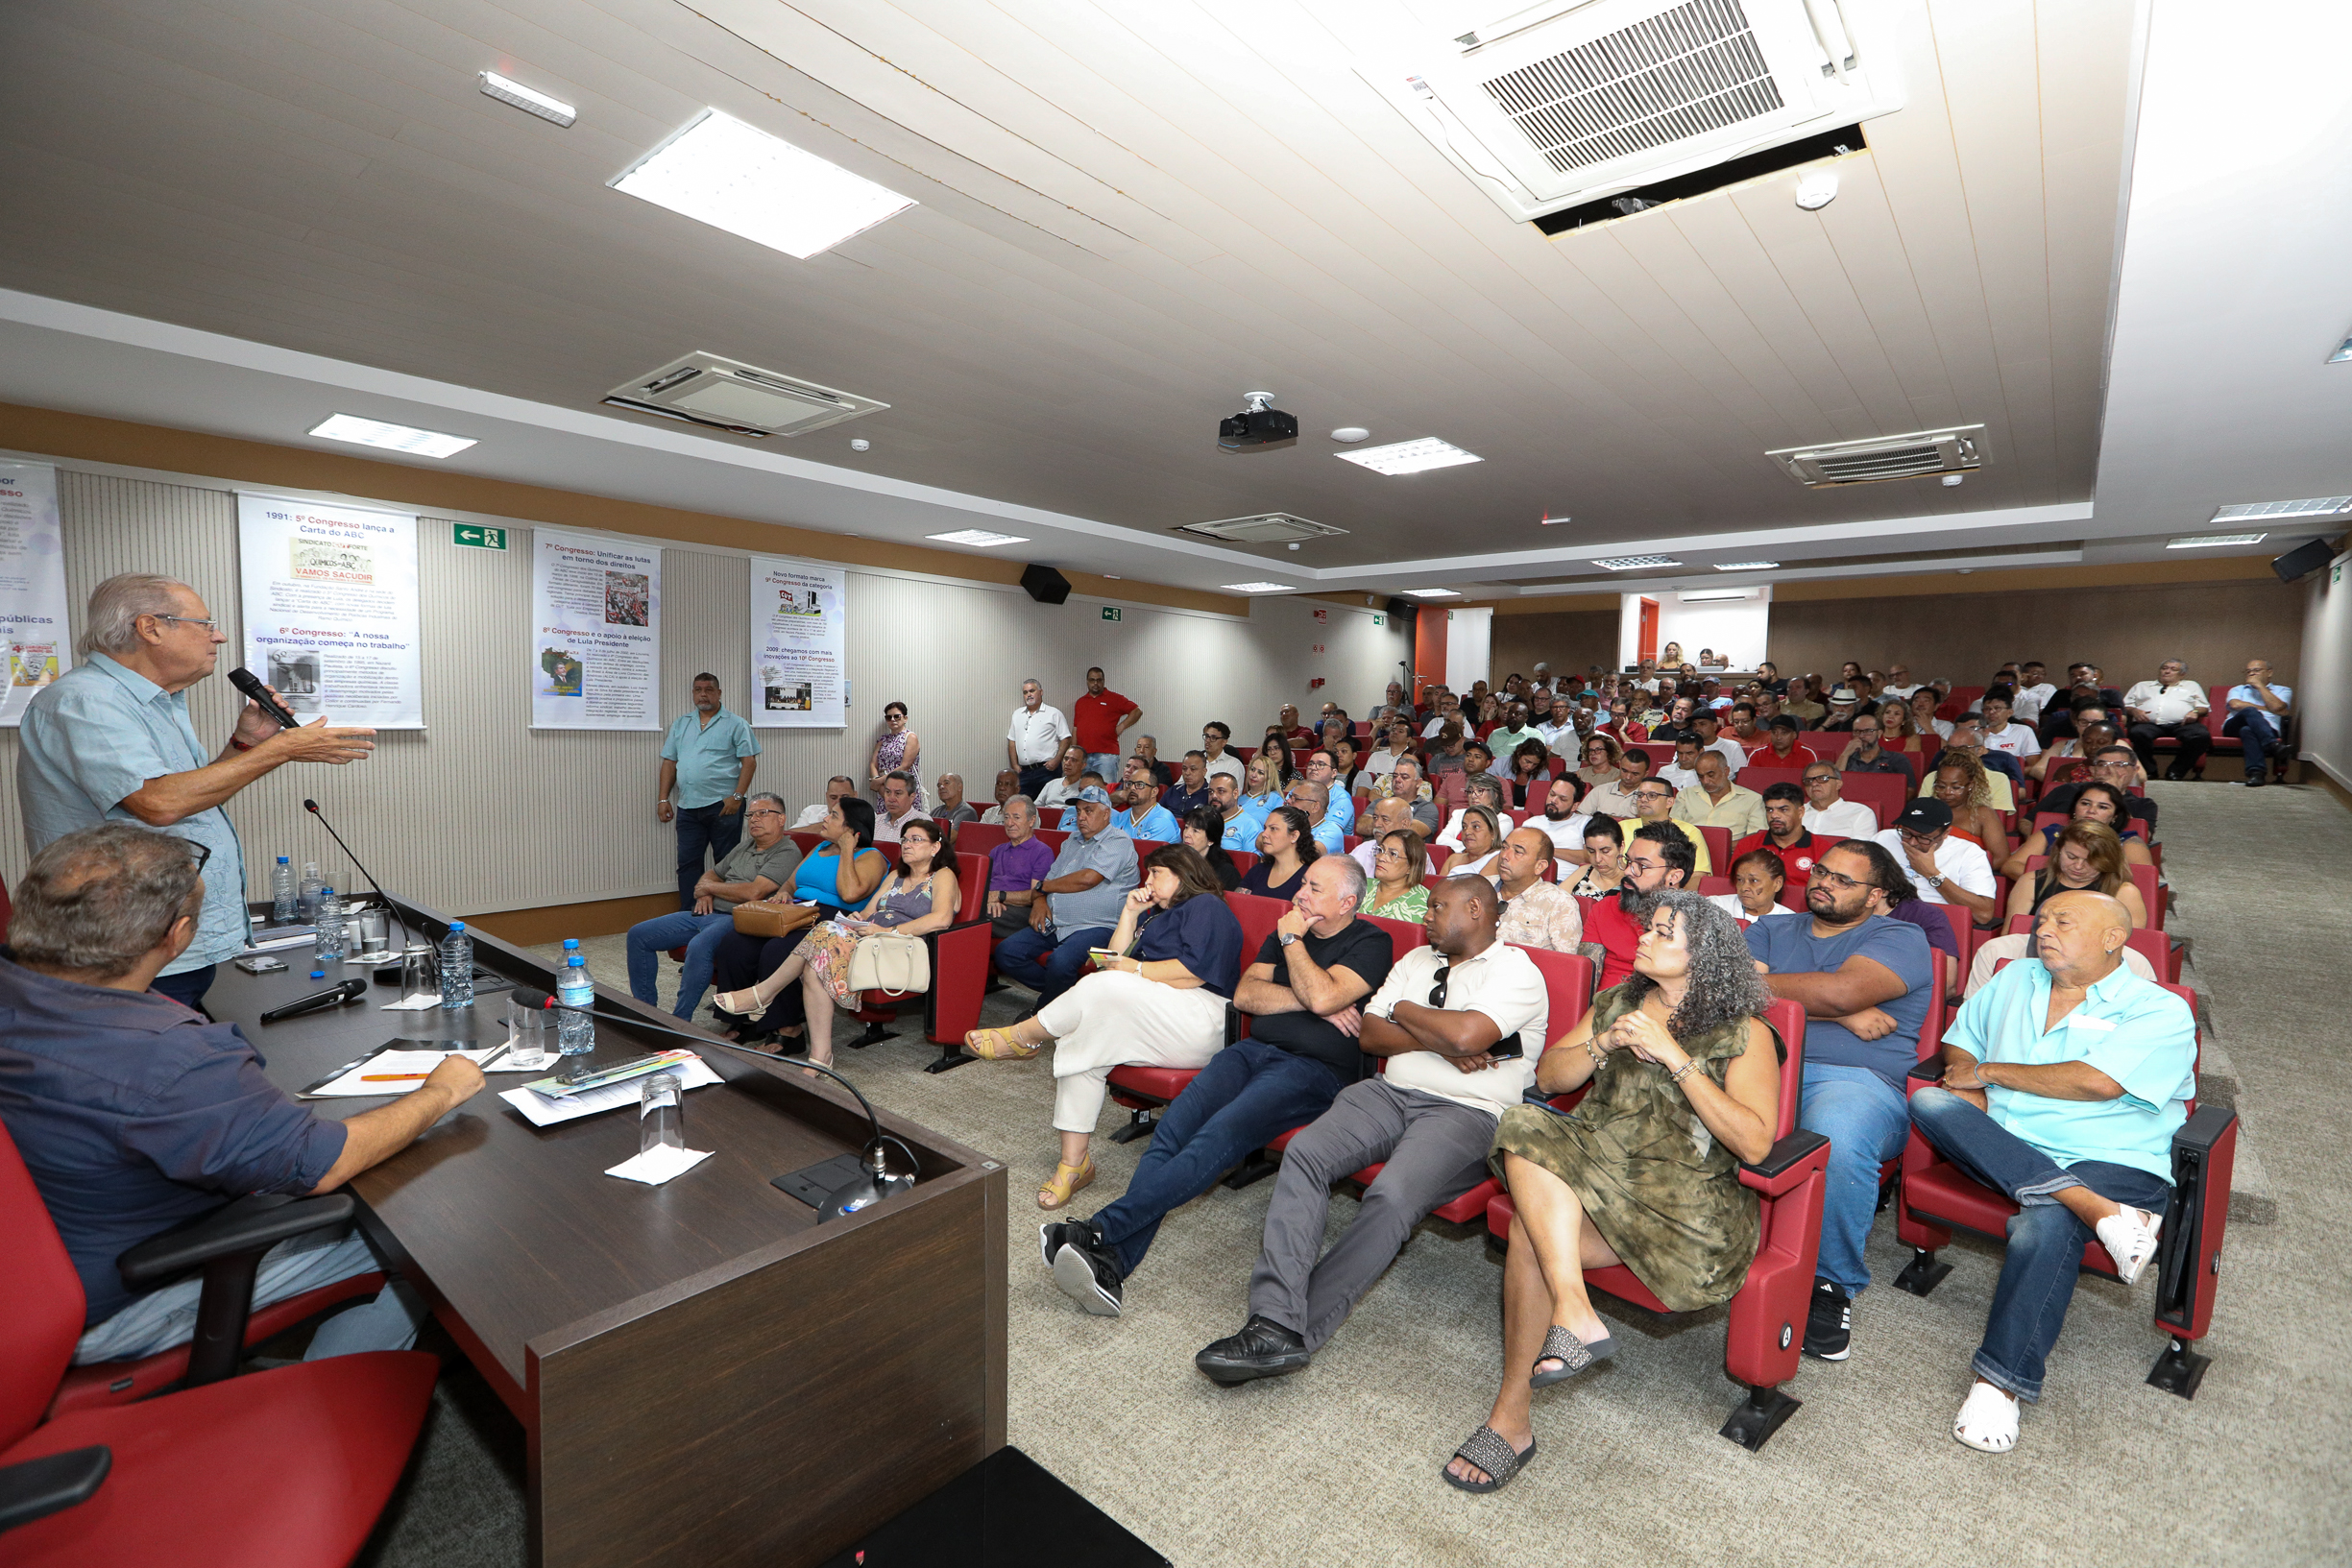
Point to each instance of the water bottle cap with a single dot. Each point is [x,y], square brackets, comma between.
[318,973]
[571,944]
[326,892]
[282,859]
[456,926]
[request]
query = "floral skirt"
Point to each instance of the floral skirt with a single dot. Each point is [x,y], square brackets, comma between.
[826,950]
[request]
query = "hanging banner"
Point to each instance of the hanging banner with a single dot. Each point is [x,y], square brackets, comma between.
[798,644]
[330,609]
[596,620]
[32,584]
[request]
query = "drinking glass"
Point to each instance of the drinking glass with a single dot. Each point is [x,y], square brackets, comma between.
[660,1113]
[528,1032]
[419,974]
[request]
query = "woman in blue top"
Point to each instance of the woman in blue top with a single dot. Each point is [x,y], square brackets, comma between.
[1157,998]
[841,875]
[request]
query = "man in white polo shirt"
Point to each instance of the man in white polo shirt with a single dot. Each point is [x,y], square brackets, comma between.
[1829,814]
[1944,869]
[1033,743]
[2170,706]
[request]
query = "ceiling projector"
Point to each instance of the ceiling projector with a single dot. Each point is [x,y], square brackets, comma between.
[1259,423]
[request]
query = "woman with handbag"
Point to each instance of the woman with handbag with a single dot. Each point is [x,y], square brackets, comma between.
[841,875]
[868,950]
[1158,997]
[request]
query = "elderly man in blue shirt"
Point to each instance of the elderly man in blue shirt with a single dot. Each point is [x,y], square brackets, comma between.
[2065,1080]
[708,760]
[1141,815]
[2257,712]
[1085,890]
[110,742]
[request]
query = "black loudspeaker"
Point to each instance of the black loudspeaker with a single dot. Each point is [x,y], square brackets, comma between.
[2303,560]
[1045,585]
[1402,608]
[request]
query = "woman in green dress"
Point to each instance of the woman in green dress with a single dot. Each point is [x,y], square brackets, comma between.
[1685,1084]
[1397,891]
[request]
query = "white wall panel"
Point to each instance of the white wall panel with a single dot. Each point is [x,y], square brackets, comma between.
[2323,701]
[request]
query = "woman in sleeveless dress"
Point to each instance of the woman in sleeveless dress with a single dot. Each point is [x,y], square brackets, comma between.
[899,750]
[840,875]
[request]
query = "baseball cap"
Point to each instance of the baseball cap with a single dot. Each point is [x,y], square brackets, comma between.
[1925,816]
[1095,795]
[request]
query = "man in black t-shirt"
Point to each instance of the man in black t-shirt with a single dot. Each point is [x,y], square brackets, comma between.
[1303,995]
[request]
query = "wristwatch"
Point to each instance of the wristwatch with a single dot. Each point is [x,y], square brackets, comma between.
[1288,937]
[1936,882]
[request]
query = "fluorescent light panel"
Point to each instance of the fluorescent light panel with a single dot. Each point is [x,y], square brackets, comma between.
[736,177]
[2200,541]
[1257,588]
[1410,456]
[2317,506]
[507,91]
[1746,565]
[1431,593]
[1709,595]
[979,538]
[395,437]
[1637,562]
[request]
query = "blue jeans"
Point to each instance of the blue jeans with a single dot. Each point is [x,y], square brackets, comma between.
[2045,1241]
[2256,732]
[1048,962]
[698,934]
[165,1318]
[1250,1093]
[702,828]
[1863,1116]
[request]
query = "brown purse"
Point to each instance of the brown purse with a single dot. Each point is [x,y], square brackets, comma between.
[774,919]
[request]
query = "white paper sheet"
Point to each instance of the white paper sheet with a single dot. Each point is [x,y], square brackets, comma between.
[391,1061]
[543,1112]
[656,1165]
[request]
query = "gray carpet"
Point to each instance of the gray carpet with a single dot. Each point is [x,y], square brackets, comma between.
[1339,1463]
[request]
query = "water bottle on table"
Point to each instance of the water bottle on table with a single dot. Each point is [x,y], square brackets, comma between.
[575,1032]
[457,967]
[306,901]
[332,947]
[285,899]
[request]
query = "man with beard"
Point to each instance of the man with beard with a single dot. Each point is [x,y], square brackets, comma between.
[1658,855]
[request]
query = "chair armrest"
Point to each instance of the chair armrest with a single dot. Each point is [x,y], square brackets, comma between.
[2201,1132]
[37,1489]
[249,1224]
[1234,1023]
[1787,1163]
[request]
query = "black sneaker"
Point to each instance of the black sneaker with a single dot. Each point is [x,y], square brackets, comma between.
[1263,1349]
[1829,1323]
[1057,1234]
[1088,1274]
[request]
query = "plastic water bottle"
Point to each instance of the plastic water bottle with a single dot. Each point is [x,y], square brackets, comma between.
[307,900]
[575,1033]
[283,896]
[457,967]
[329,922]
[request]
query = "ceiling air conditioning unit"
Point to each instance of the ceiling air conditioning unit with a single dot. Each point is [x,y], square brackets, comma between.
[1953,450]
[744,400]
[1577,100]
[1266,528]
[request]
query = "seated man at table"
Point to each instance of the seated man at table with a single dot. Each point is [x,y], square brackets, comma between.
[2065,1080]
[134,1115]
[763,861]
[1016,869]
[1085,888]
[1303,995]
[1460,1022]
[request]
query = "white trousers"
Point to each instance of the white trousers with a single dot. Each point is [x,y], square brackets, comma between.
[1111,1019]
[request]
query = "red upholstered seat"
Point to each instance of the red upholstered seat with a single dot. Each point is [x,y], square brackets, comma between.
[1885,793]
[1718,841]
[958,974]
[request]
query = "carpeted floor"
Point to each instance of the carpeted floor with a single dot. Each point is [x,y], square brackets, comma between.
[1339,1464]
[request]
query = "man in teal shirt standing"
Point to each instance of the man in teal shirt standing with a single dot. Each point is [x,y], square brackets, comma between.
[708,760]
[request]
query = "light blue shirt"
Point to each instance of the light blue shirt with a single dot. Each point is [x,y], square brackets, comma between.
[1341,809]
[708,755]
[91,740]
[2134,1031]
[1111,853]
[2246,693]
[1241,828]
[1327,834]
[1158,825]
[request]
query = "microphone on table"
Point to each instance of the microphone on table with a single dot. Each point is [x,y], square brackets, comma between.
[246,681]
[875,1180]
[312,806]
[334,996]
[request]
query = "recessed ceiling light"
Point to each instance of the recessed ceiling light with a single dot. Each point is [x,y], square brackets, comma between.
[1637,562]
[395,437]
[738,178]
[1351,432]
[1431,593]
[1257,588]
[1745,566]
[979,538]
[1709,595]
[2318,506]
[1410,456]
[2200,541]
[507,91]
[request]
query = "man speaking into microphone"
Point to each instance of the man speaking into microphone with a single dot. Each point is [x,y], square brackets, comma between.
[110,742]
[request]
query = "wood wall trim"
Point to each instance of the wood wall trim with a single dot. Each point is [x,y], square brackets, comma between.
[55,433]
[553,921]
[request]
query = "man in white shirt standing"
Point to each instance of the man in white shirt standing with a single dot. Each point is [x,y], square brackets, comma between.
[2173,706]
[1944,869]
[1033,743]
[1827,813]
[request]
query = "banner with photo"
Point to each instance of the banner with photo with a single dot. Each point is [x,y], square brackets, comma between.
[330,609]
[33,608]
[798,644]
[596,633]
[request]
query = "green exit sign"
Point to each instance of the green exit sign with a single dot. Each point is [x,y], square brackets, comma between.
[1380,621]
[1110,611]
[477,536]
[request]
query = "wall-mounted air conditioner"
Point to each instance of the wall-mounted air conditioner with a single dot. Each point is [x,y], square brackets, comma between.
[1576,100]
[742,400]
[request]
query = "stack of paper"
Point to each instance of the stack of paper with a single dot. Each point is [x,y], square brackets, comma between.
[543,1112]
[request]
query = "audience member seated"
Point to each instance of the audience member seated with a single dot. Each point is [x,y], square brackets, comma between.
[1085,890]
[1063,788]
[1313,801]
[1784,831]
[1827,813]
[1322,770]
[1944,869]
[2257,715]
[1603,868]
[1654,803]
[2065,1080]
[1865,981]
[1261,793]
[1682,773]
[1285,847]
[1396,743]
[1141,815]
[1290,729]
[1305,994]
[1481,833]
[1844,703]
[1962,779]
[1536,914]
[1477,789]
[2083,853]
[1192,786]
[2000,732]
[1781,747]
[1447,705]
[1396,890]
[1215,756]
[1744,733]
[1708,725]
[953,808]
[1460,1022]
[1158,999]
[2170,707]
[918,897]
[1007,786]
[838,876]
[1284,757]
[1603,762]
[840,787]
[754,869]
[1677,727]
[1685,1083]
[1147,752]
[1203,833]
[135,1115]
[1531,777]
[1241,824]
[1385,815]
[1515,732]
[1562,819]
[1803,701]
[1899,734]
[902,803]
[1016,869]
[1757,877]
[1924,703]
[2094,801]
[1867,752]
[2118,766]
[1656,857]
[1559,729]
[1717,802]
[2092,732]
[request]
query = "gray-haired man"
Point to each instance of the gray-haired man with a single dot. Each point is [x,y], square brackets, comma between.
[765,861]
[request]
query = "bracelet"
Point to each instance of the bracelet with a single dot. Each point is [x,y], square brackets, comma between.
[1597,1059]
[234,744]
[1681,1072]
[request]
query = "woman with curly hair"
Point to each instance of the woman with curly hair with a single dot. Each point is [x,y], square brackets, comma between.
[1962,783]
[1530,776]
[1683,1069]
[1602,757]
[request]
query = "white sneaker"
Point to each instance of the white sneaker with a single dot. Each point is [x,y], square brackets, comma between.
[1987,1420]
[2129,1236]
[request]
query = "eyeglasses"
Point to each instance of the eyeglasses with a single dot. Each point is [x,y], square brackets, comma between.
[1837,878]
[765,812]
[1437,991]
[202,852]
[192,620]
[1384,852]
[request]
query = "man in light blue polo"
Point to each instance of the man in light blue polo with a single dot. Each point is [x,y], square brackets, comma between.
[708,760]
[110,742]
[1142,815]
[2257,714]
[1090,880]
[1315,800]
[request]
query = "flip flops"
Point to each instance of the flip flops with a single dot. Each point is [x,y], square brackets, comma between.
[1573,1355]
[1491,1452]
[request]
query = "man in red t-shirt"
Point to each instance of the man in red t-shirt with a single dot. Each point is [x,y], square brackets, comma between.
[1293,732]
[1781,749]
[1657,857]
[1784,833]
[1097,719]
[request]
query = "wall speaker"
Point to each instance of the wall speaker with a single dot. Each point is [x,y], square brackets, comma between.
[1402,608]
[1045,585]
[2303,560]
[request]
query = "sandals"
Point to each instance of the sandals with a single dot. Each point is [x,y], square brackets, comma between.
[1068,1181]
[1571,1353]
[998,1045]
[2129,1236]
[1987,1421]
[1491,1452]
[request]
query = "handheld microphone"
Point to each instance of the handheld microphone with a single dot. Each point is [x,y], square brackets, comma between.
[246,681]
[334,996]
[312,806]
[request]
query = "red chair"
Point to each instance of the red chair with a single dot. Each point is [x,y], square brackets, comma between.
[2148,942]
[1148,1091]
[959,975]
[1718,841]
[1936,1198]
[1715,887]
[1438,855]
[289,1466]
[1759,777]
[1885,793]
[1242,860]
[1767,1315]
[978,836]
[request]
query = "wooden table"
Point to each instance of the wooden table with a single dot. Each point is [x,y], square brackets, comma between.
[705,1375]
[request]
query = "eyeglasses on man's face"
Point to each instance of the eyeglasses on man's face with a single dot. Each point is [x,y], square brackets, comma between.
[209,626]
[200,853]
[1837,879]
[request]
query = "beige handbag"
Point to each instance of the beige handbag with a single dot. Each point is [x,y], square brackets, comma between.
[774,919]
[883,962]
